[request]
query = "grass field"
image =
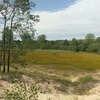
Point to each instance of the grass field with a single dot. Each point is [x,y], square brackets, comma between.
[63,59]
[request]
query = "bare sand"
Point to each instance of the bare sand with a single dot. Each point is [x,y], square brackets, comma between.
[67,97]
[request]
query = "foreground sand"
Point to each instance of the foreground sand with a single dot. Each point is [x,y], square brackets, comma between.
[68,97]
[54,94]
[93,94]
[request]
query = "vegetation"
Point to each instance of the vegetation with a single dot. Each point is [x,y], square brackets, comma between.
[62,60]
[86,79]
[15,18]
[63,69]
[22,91]
[54,62]
[89,44]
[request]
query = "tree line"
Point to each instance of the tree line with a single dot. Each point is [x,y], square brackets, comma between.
[89,44]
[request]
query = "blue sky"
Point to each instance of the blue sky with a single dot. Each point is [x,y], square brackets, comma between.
[67,19]
[52,5]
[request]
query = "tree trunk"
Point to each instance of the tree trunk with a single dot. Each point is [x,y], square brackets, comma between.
[8,67]
[0,59]
[10,44]
[9,51]
[4,51]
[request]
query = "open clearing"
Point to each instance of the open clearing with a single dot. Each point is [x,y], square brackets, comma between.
[58,73]
[63,59]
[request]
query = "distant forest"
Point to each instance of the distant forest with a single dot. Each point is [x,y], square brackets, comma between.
[89,44]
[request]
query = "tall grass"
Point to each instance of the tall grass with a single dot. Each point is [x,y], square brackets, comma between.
[63,60]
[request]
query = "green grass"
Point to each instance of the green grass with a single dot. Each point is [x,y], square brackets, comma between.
[86,79]
[63,60]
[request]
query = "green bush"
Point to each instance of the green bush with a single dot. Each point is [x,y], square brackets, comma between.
[86,79]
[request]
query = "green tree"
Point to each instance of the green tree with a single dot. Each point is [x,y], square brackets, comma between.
[98,40]
[42,41]
[20,19]
[94,47]
[90,36]
[74,44]
[27,39]
[66,42]
[41,38]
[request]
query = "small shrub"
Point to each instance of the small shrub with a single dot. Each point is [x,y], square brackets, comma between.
[22,91]
[86,79]
[64,81]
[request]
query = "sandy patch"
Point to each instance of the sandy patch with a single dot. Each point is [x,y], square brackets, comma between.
[67,97]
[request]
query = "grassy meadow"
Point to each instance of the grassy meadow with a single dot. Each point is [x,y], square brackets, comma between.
[63,59]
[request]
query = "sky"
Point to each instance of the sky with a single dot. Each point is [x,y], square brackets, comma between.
[67,19]
[52,5]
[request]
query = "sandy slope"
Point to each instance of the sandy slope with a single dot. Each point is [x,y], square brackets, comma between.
[93,93]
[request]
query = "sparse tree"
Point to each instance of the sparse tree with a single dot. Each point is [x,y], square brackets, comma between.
[17,18]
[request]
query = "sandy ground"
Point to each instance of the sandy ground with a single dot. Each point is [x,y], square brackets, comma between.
[93,93]
[67,97]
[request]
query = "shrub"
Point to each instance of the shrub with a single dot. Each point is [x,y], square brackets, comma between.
[86,79]
[22,91]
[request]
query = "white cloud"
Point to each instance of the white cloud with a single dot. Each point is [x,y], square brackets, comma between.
[82,17]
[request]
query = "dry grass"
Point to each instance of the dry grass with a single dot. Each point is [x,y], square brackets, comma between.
[63,60]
